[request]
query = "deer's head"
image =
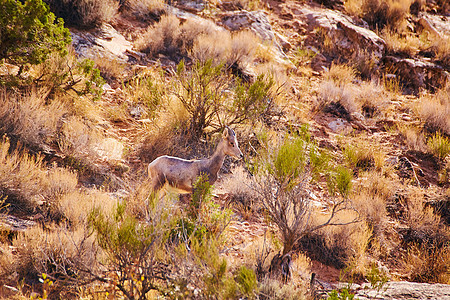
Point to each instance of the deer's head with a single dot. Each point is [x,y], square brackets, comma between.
[231,143]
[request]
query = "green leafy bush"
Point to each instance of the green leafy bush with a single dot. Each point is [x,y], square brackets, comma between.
[439,145]
[213,97]
[283,175]
[29,32]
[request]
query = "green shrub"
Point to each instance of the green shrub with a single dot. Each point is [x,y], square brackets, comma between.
[246,278]
[29,32]
[283,176]
[439,145]
[212,97]
[131,247]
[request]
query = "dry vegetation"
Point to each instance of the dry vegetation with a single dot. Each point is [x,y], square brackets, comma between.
[78,219]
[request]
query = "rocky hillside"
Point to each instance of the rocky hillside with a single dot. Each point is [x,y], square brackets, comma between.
[341,109]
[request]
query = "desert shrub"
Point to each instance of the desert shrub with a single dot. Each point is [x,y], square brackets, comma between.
[30,32]
[380,13]
[60,254]
[133,248]
[361,155]
[143,9]
[439,146]
[30,117]
[435,109]
[203,91]
[427,263]
[84,13]
[282,181]
[28,182]
[146,92]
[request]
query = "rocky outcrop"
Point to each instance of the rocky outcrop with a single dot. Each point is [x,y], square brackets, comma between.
[417,74]
[402,290]
[102,42]
[348,38]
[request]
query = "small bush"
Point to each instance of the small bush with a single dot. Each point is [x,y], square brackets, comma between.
[204,92]
[29,184]
[133,248]
[380,13]
[439,146]
[435,109]
[84,13]
[60,254]
[361,155]
[282,180]
[246,279]
[30,117]
[427,263]
[143,10]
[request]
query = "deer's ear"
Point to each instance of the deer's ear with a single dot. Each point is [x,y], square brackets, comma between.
[225,132]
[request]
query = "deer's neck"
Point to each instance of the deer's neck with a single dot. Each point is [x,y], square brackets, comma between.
[215,162]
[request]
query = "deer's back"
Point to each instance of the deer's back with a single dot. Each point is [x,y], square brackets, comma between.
[175,170]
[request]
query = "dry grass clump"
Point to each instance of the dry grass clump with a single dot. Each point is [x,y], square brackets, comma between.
[143,10]
[435,109]
[339,100]
[198,40]
[76,205]
[241,195]
[414,138]
[380,13]
[339,95]
[28,183]
[406,44]
[30,116]
[341,246]
[342,75]
[84,13]
[441,48]
[427,263]
[420,218]
[112,70]
[59,253]
[233,48]
[363,155]
[439,146]
[170,37]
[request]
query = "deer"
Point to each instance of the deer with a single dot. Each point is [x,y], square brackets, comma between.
[181,173]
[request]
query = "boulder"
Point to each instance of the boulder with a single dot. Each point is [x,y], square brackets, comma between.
[402,290]
[194,6]
[417,74]
[102,42]
[348,38]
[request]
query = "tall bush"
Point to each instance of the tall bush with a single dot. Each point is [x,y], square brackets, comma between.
[283,177]
[29,32]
